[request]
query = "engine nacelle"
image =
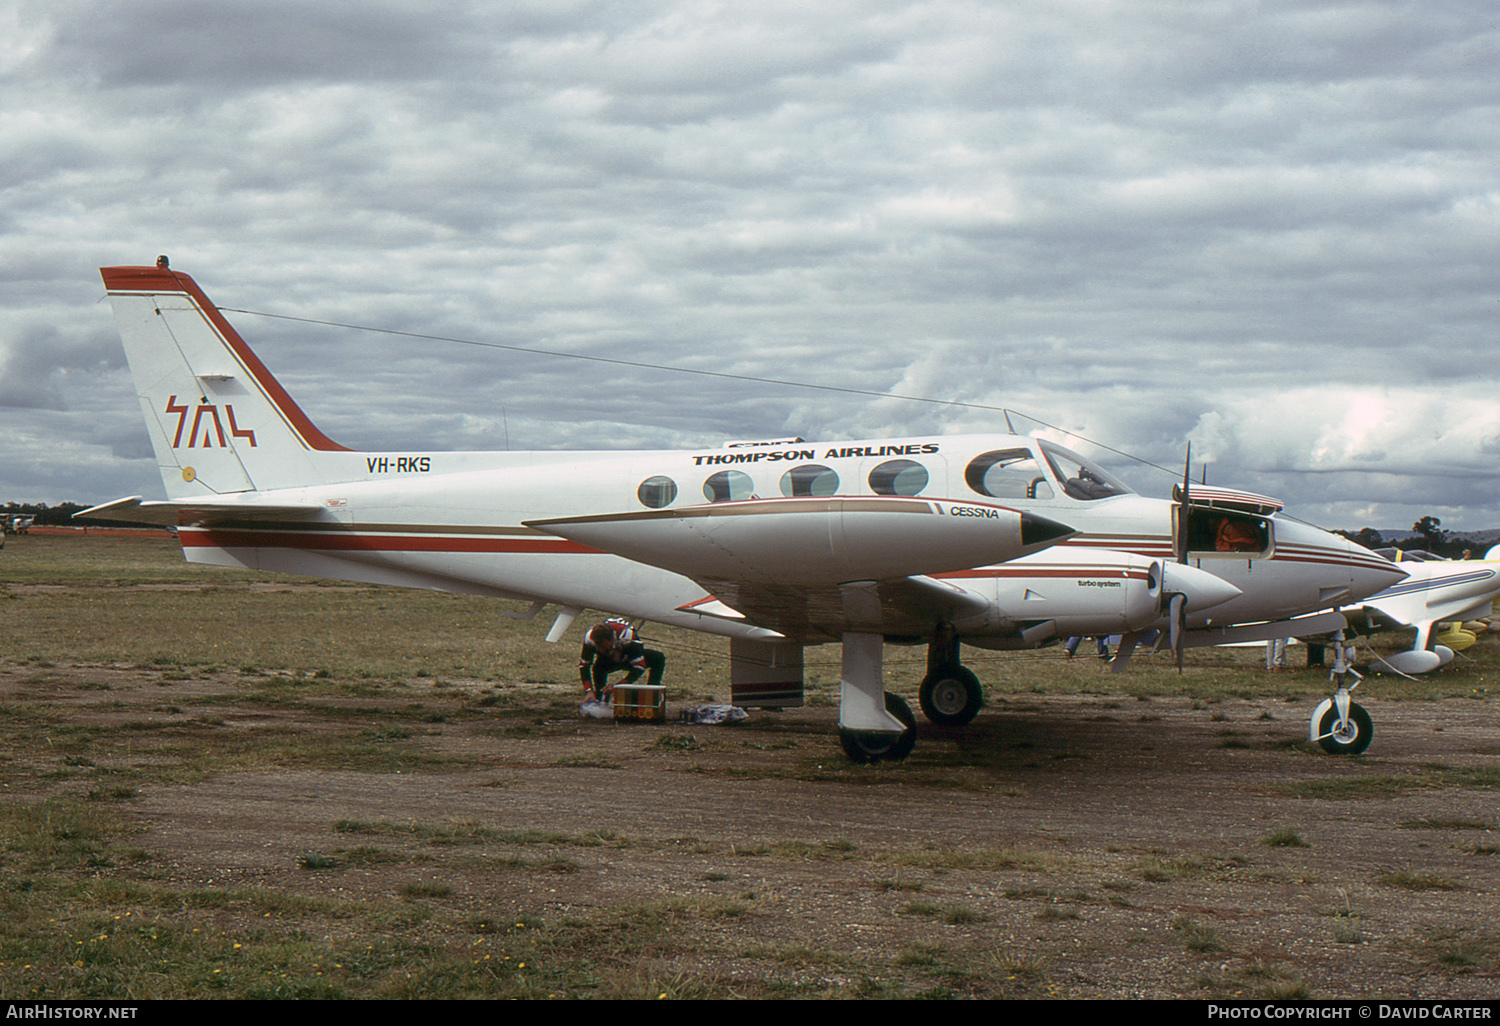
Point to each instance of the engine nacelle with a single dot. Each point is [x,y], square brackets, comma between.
[1096,592]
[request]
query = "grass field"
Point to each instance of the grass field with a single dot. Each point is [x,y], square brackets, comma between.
[129,675]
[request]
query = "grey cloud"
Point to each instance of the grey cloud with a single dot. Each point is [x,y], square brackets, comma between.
[38,363]
[157,43]
[1120,223]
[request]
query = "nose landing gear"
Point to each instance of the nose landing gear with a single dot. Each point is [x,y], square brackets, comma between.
[1339,725]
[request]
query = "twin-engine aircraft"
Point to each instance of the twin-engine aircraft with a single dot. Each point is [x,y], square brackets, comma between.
[997,541]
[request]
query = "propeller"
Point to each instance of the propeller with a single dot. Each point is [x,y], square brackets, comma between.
[1180,536]
[1177,624]
[1177,587]
[1177,601]
[1190,585]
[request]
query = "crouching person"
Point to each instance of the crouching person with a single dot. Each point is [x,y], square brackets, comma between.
[610,647]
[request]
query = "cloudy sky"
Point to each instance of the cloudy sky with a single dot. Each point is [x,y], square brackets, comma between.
[1270,228]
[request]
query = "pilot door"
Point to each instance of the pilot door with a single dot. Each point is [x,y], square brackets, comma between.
[1215,532]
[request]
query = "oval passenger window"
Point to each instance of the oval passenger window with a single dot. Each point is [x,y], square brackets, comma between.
[898,477]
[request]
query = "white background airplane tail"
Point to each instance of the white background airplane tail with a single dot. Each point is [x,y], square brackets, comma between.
[218,420]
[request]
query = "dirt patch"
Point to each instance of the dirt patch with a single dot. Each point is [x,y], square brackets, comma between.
[1059,845]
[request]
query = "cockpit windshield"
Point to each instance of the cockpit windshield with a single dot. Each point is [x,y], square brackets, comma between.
[1081,479]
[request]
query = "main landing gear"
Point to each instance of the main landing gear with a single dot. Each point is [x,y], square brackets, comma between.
[877,726]
[874,726]
[1340,725]
[949,695]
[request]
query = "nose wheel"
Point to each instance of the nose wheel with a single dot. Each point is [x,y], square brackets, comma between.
[1346,735]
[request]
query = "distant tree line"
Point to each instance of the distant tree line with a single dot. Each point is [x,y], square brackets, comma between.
[1429,535]
[60,515]
[45,515]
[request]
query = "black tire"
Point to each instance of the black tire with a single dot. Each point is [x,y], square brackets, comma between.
[867,746]
[951,697]
[1360,731]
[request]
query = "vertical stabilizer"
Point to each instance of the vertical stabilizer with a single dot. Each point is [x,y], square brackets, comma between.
[218,420]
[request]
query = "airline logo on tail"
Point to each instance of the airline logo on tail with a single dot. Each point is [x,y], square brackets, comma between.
[206,415]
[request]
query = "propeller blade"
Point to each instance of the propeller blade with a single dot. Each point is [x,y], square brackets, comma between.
[1177,624]
[1179,540]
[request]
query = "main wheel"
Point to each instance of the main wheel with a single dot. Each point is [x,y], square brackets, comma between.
[1351,737]
[865,746]
[951,697]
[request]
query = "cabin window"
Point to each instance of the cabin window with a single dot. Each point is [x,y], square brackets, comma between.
[809,480]
[656,492]
[728,486]
[898,477]
[1008,474]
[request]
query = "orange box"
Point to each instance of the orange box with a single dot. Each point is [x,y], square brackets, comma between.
[641,703]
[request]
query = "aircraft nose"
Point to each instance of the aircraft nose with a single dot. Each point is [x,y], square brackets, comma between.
[1038,531]
[1203,589]
[1369,574]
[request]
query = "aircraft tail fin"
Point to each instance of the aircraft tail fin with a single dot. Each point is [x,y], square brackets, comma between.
[219,421]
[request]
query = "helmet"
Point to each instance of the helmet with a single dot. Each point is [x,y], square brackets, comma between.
[613,633]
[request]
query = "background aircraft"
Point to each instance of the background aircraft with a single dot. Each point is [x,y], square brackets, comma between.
[999,541]
[1436,591]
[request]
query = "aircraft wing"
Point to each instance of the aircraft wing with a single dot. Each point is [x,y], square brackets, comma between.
[196,512]
[1434,592]
[1309,625]
[907,605]
[814,568]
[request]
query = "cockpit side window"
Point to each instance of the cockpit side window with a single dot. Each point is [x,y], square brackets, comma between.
[1008,474]
[1081,478]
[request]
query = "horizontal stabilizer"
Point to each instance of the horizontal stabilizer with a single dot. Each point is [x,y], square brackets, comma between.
[189,513]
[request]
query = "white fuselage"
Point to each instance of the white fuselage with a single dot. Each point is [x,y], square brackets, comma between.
[456,521]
